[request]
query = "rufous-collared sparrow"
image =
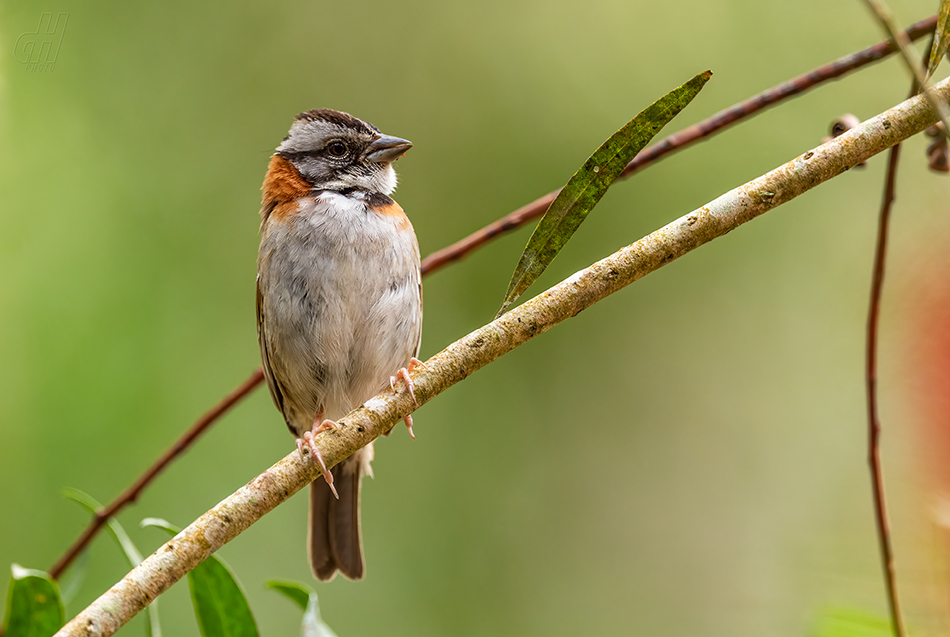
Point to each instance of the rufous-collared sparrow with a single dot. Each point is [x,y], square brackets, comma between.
[339,302]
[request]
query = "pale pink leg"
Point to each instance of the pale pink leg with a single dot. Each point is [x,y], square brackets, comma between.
[309,439]
[403,374]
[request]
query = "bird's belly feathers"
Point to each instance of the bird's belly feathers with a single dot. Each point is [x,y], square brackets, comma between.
[341,306]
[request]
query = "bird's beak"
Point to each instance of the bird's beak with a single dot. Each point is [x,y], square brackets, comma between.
[387,149]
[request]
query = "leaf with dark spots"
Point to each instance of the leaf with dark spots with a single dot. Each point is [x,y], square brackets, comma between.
[590,182]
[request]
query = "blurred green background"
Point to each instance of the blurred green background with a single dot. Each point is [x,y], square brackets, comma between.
[687,457]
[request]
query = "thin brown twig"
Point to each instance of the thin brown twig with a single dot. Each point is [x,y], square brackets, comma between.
[132,493]
[874,424]
[510,222]
[685,137]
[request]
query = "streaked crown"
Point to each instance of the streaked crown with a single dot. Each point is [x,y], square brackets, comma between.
[336,151]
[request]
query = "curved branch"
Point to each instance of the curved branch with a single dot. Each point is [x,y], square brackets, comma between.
[460,359]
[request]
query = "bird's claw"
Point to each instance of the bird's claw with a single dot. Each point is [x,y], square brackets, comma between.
[309,440]
[403,374]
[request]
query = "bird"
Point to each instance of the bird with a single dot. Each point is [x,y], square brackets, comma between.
[339,303]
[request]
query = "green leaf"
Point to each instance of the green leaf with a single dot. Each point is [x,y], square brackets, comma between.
[220,604]
[132,554]
[941,38]
[294,591]
[306,598]
[34,608]
[590,182]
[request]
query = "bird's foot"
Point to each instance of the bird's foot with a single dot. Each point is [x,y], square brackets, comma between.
[403,374]
[309,441]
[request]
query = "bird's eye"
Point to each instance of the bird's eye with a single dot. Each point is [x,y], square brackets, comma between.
[337,148]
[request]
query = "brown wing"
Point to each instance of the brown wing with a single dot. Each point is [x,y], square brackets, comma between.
[275,390]
[419,338]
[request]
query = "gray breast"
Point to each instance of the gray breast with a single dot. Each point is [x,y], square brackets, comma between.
[340,305]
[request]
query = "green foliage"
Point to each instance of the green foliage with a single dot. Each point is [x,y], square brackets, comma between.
[294,591]
[132,554]
[34,608]
[220,603]
[590,182]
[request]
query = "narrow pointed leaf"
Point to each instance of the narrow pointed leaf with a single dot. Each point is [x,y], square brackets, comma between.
[941,38]
[590,182]
[122,538]
[34,608]
[132,554]
[220,603]
[294,591]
